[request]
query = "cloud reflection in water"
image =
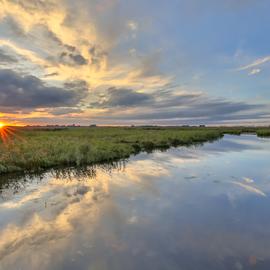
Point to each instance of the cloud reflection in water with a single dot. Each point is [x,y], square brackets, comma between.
[148,213]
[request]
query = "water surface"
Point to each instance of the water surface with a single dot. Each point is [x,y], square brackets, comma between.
[204,207]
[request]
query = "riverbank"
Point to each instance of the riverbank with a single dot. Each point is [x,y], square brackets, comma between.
[27,149]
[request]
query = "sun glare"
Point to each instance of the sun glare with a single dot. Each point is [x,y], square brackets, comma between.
[6,133]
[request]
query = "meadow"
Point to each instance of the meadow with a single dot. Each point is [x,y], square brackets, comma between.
[33,149]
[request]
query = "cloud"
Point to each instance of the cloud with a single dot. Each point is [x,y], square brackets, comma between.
[51,74]
[51,38]
[72,59]
[250,188]
[14,26]
[254,71]
[5,58]
[168,107]
[33,5]
[18,91]
[65,111]
[67,54]
[97,54]
[122,98]
[74,44]
[25,55]
[256,63]
[132,25]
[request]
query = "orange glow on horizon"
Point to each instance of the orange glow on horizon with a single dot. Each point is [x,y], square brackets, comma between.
[4,125]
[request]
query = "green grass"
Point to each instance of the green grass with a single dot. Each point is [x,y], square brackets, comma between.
[263,132]
[33,150]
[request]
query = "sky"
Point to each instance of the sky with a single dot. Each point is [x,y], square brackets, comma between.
[123,62]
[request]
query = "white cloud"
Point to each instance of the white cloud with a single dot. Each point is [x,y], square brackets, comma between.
[254,71]
[132,25]
[256,63]
[250,188]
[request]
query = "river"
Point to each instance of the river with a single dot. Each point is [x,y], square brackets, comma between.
[192,208]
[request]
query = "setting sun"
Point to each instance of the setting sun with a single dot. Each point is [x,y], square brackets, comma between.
[7,132]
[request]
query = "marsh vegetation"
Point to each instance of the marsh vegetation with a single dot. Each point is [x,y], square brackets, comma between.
[37,149]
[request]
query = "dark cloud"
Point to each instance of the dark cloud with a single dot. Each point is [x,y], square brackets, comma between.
[50,35]
[51,74]
[78,59]
[6,58]
[97,55]
[125,97]
[121,97]
[63,111]
[207,109]
[72,59]
[70,48]
[69,54]
[76,85]
[18,91]
[185,108]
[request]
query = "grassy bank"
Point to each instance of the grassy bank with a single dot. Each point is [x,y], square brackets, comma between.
[31,150]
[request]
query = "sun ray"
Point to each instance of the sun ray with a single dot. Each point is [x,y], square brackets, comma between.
[8,133]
